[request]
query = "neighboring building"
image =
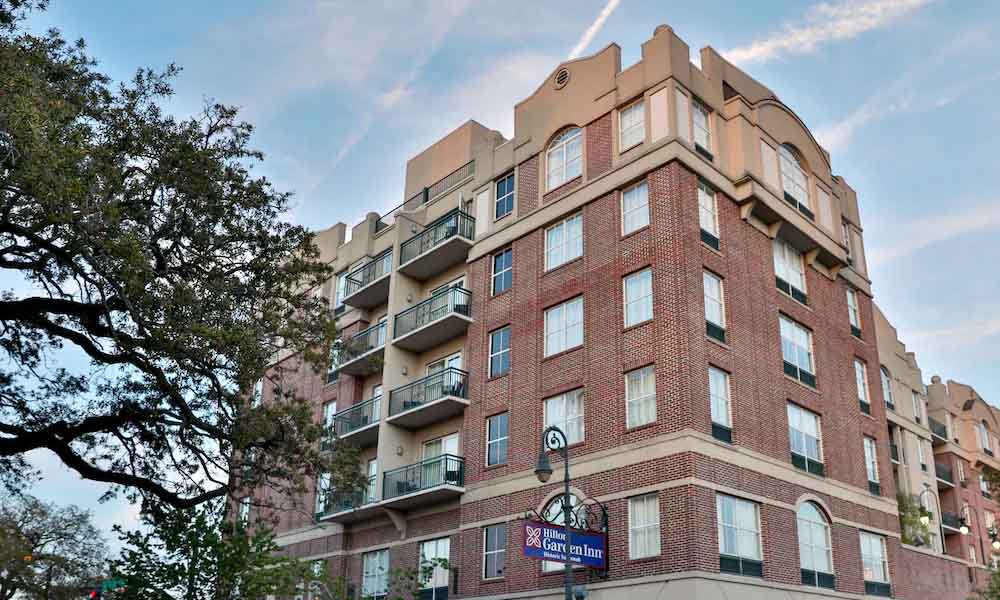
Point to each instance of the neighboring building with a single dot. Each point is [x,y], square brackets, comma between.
[965,430]
[661,263]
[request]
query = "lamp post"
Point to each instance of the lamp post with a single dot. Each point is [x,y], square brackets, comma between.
[964,530]
[925,520]
[553,438]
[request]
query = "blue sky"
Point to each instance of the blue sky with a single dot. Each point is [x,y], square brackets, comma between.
[902,92]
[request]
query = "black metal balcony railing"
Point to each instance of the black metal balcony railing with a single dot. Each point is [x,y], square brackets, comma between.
[448,382]
[447,301]
[358,416]
[365,341]
[950,519]
[944,473]
[938,428]
[370,271]
[446,469]
[338,502]
[455,223]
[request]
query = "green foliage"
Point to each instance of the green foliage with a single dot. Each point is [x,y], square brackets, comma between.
[911,529]
[46,551]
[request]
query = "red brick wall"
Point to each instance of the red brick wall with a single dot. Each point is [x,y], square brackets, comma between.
[950,580]
[527,185]
[599,146]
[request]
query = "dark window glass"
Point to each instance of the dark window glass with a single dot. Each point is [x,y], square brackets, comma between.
[500,352]
[496,440]
[505,196]
[503,272]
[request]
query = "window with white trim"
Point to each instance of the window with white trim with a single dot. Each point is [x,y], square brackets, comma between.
[815,547]
[708,215]
[635,208]
[853,314]
[644,526]
[886,381]
[805,438]
[564,241]
[796,350]
[500,352]
[243,513]
[434,556]
[564,326]
[984,436]
[640,396]
[338,300]
[565,411]
[793,176]
[494,550]
[497,436]
[871,465]
[861,384]
[504,204]
[984,486]
[632,125]
[789,270]
[972,554]
[715,307]
[920,454]
[375,574]
[739,535]
[503,271]
[718,394]
[329,414]
[564,158]
[918,406]
[322,490]
[873,558]
[700,119]
[637,289]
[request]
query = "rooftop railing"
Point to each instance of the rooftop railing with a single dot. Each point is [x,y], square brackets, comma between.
[455,223]
[427,194]
[446,469]
[442,303]
[448,382]
[369,272]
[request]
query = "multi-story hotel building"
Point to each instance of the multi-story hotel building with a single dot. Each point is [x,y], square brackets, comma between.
[661,263]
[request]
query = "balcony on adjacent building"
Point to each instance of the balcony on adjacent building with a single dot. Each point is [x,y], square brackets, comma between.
[432,399]
[427,482]
[442,317]
[442,244]
[951,523]
[945,479]
[368,285]
[939,433]
[362,354]
[347,507]
[359,423]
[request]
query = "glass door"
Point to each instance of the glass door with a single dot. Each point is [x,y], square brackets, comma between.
[435,472]
[372,479]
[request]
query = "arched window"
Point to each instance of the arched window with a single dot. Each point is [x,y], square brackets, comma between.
[553,513]
[564,158]
[887,388]
[793,176]
[815,556]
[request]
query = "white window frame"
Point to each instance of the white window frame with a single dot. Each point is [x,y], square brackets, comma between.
[918,406]
[569,245]
[920,452]
[640,409]
[640,193]
[809,445]
[573,425]
[500,551]
[739,526]
[243,512]
[490,442]
[644,526]
[557,156]
[853,314]
[871,459]
[797,338]
[322,489]
[561,334]
[375,573]
[341,290]
[886,380]
[638,309]
[494,353]
[329,414]
[961,471]
[715,298]
[861,381]
[631,125]
[789,265]
[708,209]
[983,433]
[876,562]
[429,551]
[808,527]
[499,274]
[719,397]
[794,179]
[511,193]
[258,393]
[701,131]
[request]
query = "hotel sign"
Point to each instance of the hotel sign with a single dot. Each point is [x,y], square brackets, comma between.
[545,541]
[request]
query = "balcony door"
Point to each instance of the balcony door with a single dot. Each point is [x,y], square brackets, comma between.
[372,479]
[443,470]
[445,383]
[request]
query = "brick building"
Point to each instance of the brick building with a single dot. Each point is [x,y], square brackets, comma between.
[662,263]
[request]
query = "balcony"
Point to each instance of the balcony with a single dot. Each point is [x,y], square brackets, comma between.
[442,317]
[427,482]
[429,400]
[368,285]
[348,507]
[363,352]
[359,423]
[939,433]
[945,479]
[440,245]
[951,523]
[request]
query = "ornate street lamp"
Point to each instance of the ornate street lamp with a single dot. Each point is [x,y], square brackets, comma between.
[553,438]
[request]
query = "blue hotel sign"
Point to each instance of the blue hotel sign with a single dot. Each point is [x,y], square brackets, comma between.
[544,541]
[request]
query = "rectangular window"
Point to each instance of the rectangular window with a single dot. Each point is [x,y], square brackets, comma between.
[718,394]
[244,510]
[984,487]
[258,393]
[322,489]
[871,466]
[375,574]
[500,352]
[564,241]
[805,439]
[640,396]
[920,455]
[708,215]
[329,414]
[505,196]
[796,350]
[739,536]
[853,315]
[565,411]
[702,129]
[861,383]
[564,326]
[715,308]
[638,292]
[961,471]
[873,560]
[683,116]
[632,125]
[494,550]
[789,270]
[434,556]
[635,208]
[496,439]
[644,526]
[503,271]
[338,300]
[984,436]
[918,406]
[886,388]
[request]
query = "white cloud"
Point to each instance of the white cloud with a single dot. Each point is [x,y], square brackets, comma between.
[909,237]
[595,27]
[958,336]
[824,23]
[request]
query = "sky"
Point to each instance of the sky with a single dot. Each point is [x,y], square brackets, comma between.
[342,93]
